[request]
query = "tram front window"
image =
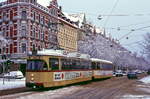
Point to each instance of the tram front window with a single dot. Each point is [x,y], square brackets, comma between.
[36,65]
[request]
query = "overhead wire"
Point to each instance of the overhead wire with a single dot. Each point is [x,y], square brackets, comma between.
[133,31]
[112,10]
[133,43]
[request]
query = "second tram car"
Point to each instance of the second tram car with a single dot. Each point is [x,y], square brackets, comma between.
[51,68]
[101,68]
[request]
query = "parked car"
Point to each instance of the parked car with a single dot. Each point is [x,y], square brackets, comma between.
[132,75]
[14,74]
[124,73]
[148,72]
[119,73]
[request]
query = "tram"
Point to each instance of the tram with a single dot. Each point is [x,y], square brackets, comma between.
[51,68]
[101,68]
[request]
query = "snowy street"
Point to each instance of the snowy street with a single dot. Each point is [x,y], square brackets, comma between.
[114,88]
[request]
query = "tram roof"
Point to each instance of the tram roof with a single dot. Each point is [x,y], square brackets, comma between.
[63,53]
[100,60]
[52,52]
[78,55]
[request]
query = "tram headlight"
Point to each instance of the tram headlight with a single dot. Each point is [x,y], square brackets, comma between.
[32,75]
[32,79]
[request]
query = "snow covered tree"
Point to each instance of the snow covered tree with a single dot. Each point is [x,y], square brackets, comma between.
[146,45]
[99,46]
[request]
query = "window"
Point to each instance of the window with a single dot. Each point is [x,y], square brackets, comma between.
[43,20]
[11,15]
[39,18]
[24,15]
[39,34]
[23,32]
[75,64]
[66,64]
[23,47]
[107,66]
[34,15]
[54,63]
[42,35]
[36,65]
[34,32]
[4,16]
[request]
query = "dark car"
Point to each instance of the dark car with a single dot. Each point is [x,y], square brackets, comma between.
[148,72]
[132,75]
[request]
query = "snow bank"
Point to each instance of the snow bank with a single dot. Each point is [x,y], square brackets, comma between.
[12,83]
[145,80]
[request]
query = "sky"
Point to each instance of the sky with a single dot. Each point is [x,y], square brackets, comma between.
[136,17]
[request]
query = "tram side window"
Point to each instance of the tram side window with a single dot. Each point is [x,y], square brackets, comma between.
[94,65]
[54,63]
[98,65]
[66,64]
[74,64]
[107,66]
[86,64]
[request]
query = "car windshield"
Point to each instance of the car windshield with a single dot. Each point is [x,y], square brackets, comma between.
[36,65]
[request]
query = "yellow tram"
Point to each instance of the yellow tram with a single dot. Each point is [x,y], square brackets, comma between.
[51,68]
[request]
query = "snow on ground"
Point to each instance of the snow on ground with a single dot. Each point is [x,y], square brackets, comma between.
[135,97]
[11,83]
[52,94]
[146,80]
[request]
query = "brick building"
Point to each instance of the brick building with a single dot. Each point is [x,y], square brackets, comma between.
[28,24]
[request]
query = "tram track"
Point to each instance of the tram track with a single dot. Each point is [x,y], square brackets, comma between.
[103,90]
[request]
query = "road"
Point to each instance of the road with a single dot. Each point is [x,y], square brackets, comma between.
[114,88]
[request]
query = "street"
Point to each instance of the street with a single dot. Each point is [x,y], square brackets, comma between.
[114,88]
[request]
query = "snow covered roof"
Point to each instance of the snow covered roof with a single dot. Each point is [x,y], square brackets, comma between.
[100,30]
[80,18]
[100,60]
[63,53]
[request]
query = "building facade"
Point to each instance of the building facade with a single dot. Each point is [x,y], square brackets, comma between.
[67,33]
[28,25]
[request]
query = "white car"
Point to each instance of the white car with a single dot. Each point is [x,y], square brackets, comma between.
[14,74]
[119,74]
